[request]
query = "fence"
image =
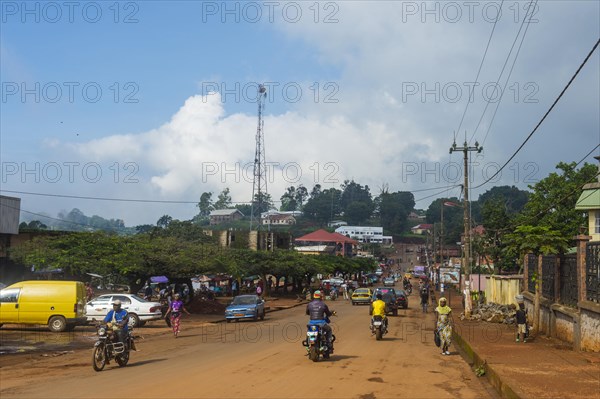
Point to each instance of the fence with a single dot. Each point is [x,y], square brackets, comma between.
[569,289]
[569,303]
[548,276]
[592,272]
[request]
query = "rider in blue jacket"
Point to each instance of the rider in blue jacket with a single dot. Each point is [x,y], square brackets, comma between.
[120,319]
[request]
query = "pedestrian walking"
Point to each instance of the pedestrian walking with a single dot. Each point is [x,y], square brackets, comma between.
[174,312]
[521,317]
[424,298]
[444,325]
[89,292]
[344,287]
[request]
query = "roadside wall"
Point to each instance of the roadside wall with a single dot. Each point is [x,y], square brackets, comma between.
[569,308]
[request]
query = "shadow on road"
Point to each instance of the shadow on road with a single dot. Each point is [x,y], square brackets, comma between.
[144,362]
[335,358]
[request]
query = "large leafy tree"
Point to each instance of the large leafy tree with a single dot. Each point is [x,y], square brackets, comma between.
[552,202]
[393,210]
[301,195]
[323,206]
[289,200]
[356,202]
[205,205]
[223,200]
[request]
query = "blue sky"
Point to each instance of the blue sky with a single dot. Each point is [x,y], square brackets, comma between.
[392,82]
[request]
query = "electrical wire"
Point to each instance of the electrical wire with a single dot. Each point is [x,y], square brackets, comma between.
[507,78]
[479,71]
[587,155]
[544,117]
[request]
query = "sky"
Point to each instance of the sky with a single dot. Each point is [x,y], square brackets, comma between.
[156,100]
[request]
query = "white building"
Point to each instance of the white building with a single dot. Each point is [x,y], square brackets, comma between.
[365,234]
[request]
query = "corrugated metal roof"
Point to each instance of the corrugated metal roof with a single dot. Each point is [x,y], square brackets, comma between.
[224,212]
[589,199]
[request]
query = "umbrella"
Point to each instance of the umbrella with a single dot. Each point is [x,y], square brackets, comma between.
[159,279]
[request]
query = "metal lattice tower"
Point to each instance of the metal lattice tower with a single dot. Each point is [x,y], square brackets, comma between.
[259,182]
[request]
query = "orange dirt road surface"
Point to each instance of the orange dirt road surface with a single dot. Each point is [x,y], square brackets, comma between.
[262,359]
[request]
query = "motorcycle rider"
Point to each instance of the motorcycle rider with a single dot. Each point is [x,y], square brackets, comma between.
[119,318]
[319,314]
[380,309]
[407,284]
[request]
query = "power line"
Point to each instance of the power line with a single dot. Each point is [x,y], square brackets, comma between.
[507,78]
[544,117]
[587,155]
[112,199]
[479,71]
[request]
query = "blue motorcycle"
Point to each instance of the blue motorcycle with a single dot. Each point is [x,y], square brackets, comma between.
[316,341]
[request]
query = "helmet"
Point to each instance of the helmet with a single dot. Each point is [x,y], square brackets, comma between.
[379,296]
[117,302]
[317,295]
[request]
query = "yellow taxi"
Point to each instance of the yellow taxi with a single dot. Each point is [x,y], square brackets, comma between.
[361,295]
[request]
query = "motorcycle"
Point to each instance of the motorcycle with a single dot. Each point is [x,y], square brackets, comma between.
[333,294]
[377,327]
[108,347]
[316,342]
[408,288]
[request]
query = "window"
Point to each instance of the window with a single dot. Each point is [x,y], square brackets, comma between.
[10,295]
[597,227]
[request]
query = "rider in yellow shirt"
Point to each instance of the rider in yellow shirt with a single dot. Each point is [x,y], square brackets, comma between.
[380,309]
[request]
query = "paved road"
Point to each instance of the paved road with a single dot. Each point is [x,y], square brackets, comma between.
[260,360]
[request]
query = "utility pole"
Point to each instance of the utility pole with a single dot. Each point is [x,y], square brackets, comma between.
[467,221]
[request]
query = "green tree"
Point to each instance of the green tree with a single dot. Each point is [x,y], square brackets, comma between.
[393,210]
[223,200]
[323,206]
[289,200]
[301,196]
[552,202]
[206,204]
[163,221]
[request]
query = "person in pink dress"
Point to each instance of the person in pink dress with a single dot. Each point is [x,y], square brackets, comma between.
[174,312]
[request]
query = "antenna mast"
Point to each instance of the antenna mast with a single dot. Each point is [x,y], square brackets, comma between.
[259,182]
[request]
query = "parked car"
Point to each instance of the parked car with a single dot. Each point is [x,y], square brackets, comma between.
[59,304]
[336,281]
[388,296]
[140,311]
[245,307]
[361,295]
[402,299]
[389,282]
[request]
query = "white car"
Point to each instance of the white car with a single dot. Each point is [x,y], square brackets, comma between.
[140,310]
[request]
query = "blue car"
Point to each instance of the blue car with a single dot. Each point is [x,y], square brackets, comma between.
[245,307]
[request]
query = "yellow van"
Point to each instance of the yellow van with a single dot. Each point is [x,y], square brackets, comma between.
[60,304]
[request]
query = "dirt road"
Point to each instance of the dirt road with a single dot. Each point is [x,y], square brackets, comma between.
[258,360]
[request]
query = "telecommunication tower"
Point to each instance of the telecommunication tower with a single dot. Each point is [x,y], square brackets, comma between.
[259,182]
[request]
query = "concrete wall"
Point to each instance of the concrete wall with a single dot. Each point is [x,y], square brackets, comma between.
[578,326]
[564,325]
[590,328]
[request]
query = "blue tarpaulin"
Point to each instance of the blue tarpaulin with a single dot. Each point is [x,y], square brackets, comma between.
[159,279]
